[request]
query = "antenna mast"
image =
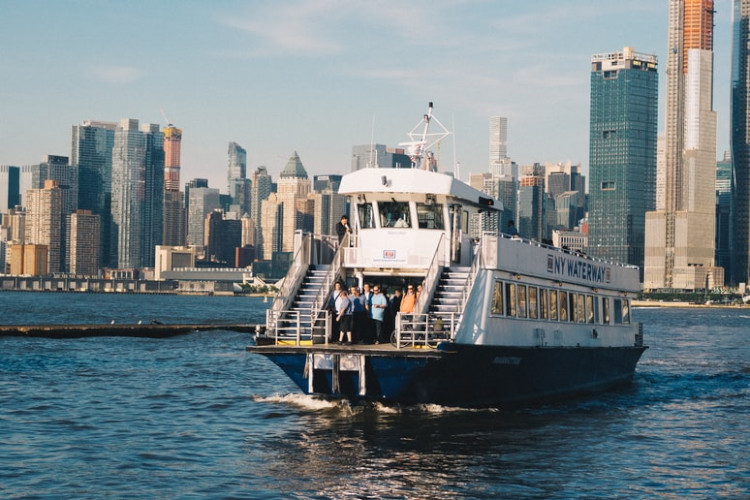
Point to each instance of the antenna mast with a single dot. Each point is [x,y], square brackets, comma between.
[419,147]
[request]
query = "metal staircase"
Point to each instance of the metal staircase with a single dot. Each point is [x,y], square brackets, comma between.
[449,294]
[297,321]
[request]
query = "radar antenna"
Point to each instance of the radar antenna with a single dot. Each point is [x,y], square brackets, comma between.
[419,148]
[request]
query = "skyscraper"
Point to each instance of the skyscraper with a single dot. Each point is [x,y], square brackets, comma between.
[622,153]
[740,138]
[10,195]
[238,185]
[44,222]
[498,144]
[83,243]
[173,230]
[293,186]
[261,188]
[531,196]
[679,251]
[137,192]
[202,201]
[91,153]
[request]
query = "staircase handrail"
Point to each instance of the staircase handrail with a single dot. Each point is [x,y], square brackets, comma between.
[431,278]
[473,270]
[293,278]
[320,303]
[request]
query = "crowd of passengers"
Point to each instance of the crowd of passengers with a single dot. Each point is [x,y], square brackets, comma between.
[368,316]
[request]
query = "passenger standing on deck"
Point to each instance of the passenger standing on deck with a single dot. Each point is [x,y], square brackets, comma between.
[369,326]
[360,314]
[342,228]
[378,306]
[394,304]
[512,231]
[335,295]
[344,317]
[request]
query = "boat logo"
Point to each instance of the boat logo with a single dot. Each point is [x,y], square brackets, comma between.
[577,268]
[389,254]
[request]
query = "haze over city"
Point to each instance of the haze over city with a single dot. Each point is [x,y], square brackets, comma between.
[318,77]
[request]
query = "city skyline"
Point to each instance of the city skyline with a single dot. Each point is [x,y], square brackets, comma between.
[296,76]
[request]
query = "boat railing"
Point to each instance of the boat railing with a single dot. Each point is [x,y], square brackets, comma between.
[476,264]
[321,299]
[299,327]
[432,277]
[424,329]
[292,280]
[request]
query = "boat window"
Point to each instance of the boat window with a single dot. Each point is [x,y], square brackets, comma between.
[618,311]
[573,307]
[366,215]
[522,301]
[589,309]
[580,315]
[394,214]
[605,310]
[510,299]
[430,216]
[533,310]
[626,311]
[597,317]
[465,222]
[553,305]
[563,306]
[543,304]
[497,298]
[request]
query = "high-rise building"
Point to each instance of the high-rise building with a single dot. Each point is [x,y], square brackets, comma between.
[10,195]
[173,225]
[44,222]
[679,245]
[222,238]
[723,211]
[272,215]
[137,192]
[238,185]
[91,154]
[531,195]
[293,186]
[261,185]
[740,139]
[379,156]
[83,243]
[498,143]
[622,153]
[202,201]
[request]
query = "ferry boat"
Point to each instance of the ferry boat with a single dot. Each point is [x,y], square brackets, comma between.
[500,321]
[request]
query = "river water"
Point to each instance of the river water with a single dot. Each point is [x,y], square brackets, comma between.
[196,416]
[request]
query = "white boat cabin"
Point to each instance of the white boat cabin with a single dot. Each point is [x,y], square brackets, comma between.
[402,217]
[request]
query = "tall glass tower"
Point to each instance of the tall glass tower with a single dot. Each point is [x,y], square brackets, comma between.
[622,153]
[739,233]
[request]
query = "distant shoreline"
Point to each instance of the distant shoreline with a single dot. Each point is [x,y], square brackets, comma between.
[657,303]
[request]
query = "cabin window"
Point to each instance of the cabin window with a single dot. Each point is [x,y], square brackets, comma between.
[563,306]
[580,314]
[394,214]
[605,310]
[589,309]
[430,216]
[522,308]
[497,298]
[618,311]
[543,304]
[366,216]
[465,222]
[573,307]
[553,305]
[533,302]
[510,299]
[626,311]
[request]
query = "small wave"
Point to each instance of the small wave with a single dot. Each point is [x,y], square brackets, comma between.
[304,401]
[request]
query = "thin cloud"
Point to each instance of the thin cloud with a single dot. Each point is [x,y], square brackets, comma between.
[297,27]
[117,74]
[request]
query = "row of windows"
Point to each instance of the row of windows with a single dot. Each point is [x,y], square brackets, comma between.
[526,301]
[398,214]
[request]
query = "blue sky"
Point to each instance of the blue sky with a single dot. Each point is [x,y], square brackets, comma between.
[318,76]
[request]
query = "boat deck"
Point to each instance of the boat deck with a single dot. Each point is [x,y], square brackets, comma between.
[387,349]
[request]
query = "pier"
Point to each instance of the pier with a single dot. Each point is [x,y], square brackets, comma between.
[116,330]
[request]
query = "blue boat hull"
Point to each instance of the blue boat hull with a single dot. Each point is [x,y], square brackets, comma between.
[462,375]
